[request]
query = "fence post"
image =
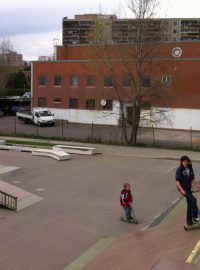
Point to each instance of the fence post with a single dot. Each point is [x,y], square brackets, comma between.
[191,146]
[92,128]
[122,138]
[62,125]
[15,124]
[37,130]
[154,140]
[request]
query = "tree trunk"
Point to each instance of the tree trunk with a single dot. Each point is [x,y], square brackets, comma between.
[135,124]
[124,123]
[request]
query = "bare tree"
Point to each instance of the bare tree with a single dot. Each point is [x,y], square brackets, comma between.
[135,65]
[5,68]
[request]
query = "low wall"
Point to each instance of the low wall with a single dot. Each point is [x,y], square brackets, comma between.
[102,117]
[169,118]
[177,118]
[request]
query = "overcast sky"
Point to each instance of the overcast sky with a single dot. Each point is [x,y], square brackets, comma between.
[31,26]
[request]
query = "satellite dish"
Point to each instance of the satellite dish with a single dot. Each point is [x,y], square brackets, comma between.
[103,102]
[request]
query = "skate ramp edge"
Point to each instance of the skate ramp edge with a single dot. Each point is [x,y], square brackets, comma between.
[90,254]
[16,198]
[162,247]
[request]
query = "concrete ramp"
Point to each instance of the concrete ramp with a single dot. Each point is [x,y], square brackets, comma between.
[58,155]
[72,149]
[159,248]
[16,198]
[16,148]
[7,169]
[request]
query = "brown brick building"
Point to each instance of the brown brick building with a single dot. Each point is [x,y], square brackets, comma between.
[75,86]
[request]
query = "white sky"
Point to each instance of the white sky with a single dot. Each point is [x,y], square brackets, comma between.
[31,26]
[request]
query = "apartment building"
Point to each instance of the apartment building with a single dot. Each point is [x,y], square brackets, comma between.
[13,58]
[81,29]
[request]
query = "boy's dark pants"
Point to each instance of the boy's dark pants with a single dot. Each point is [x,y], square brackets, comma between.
[192,209]
[127,210]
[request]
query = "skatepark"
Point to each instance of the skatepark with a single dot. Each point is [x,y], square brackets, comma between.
[74,222]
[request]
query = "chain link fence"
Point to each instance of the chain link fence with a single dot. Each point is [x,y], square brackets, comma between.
[63,130]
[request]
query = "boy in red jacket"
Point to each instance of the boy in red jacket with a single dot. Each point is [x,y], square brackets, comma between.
[126,200]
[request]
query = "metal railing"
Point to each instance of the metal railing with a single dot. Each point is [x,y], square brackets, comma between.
[8,200]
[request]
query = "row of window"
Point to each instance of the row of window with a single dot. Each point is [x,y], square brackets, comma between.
[108,80]
[90,104]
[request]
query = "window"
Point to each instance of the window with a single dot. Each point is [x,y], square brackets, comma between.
[74,80]
[73,103]
[41,102]
[90,80]
[166,79]
[57,80]
[108,105]
[90,104]
[108,81]
[127,81]
[42,80]
[146,82]
[57,100]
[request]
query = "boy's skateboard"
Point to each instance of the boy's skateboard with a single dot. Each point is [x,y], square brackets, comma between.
[192,227]
[133,221]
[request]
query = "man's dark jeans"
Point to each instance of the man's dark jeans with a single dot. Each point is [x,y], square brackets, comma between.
[192,209]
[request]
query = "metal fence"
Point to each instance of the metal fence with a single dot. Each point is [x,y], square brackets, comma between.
[8,200]
[102,134]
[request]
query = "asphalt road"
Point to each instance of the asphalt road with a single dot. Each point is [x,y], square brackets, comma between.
[80,206]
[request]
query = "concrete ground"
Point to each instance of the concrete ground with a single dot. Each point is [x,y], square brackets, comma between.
[81,203]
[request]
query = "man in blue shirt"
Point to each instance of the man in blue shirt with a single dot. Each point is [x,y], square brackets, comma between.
[185,180]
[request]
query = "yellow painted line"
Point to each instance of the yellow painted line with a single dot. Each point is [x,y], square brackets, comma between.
[194,255]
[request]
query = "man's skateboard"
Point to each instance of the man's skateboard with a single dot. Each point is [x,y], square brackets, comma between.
[192,227]
[133,221]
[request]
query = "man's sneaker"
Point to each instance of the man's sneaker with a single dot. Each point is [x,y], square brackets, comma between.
[190,223]
[195,220]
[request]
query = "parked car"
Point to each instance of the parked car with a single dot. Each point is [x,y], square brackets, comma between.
[40,117]
[27,95]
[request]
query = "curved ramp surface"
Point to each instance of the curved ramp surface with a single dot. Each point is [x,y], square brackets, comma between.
[159,248]
[58,155]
